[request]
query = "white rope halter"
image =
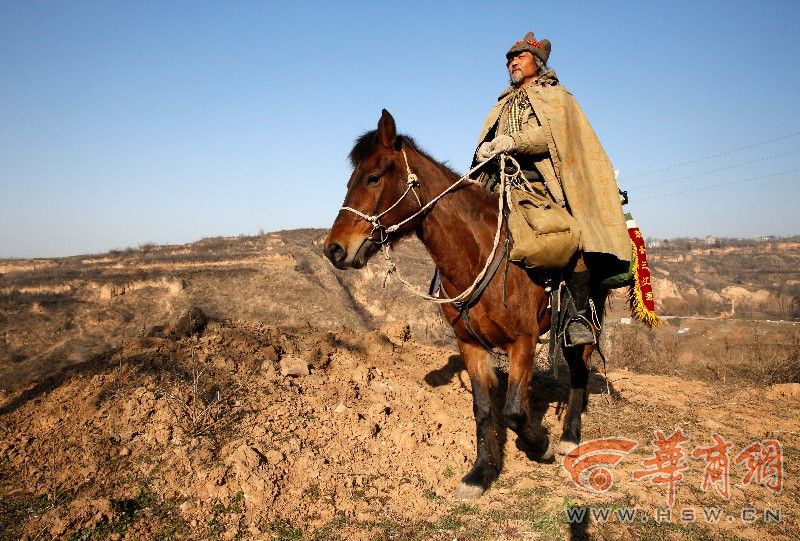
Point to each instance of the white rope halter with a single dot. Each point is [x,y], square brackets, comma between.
[384,232]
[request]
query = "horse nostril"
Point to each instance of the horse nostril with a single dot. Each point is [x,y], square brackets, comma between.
[335,253]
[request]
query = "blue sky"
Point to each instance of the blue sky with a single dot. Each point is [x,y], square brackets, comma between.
[123,123]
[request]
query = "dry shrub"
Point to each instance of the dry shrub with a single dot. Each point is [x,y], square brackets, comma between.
[770,361]
[762,357]
[197,414]
[203,403]
[637,348]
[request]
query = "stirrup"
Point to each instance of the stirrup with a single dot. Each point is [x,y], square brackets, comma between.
[585,325]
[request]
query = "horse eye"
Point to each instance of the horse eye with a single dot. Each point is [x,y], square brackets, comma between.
[373,179]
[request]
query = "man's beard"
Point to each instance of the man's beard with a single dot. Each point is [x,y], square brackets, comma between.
[516,78]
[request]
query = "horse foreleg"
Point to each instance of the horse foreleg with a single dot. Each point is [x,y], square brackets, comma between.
[533,439]
[490,433]
[578,360]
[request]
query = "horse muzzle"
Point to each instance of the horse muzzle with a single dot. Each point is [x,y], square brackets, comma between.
[342,258]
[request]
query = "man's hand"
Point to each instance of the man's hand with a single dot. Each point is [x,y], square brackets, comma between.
[485,151]
[498,145]
[502,143]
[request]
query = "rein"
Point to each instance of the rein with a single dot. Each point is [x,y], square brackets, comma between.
[413,182]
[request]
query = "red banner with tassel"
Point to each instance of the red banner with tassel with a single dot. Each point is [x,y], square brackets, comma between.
[642,301]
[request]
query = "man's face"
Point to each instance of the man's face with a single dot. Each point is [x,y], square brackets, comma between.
[522,68]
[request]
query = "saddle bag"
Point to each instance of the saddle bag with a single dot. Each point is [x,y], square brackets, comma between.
[545,235]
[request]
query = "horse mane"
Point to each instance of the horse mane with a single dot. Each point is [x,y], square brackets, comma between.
[367,143]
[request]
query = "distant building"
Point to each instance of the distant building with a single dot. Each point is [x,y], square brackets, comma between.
[764,238]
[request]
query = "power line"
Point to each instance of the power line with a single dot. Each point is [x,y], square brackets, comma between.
[714,170]
[719,185]
[704,158]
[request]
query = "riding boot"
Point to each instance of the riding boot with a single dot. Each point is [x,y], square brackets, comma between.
[579,327]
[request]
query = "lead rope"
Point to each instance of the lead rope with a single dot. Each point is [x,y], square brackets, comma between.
[412,179]
[595,317]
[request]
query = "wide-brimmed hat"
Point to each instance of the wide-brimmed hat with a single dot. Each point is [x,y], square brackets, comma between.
[529,43]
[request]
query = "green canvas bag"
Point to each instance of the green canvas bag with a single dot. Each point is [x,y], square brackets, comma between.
[622,275]
[545,235]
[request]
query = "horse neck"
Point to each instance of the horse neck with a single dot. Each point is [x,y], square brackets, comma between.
[459,229]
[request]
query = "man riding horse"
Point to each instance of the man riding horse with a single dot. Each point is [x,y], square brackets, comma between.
[539,123]
[396,190]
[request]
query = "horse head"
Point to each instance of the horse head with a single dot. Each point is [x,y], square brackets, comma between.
[377,197]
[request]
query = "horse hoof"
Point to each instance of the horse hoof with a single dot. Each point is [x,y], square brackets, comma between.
[539,449]
[468,492]
[548,455]
[564,447]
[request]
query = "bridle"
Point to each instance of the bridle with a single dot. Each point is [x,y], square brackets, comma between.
[411,182]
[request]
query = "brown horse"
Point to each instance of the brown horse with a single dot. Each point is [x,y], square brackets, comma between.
[458,232]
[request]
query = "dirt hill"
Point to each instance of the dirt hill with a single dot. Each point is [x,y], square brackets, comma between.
[121,419]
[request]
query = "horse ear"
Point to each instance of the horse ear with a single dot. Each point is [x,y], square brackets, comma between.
[387,130]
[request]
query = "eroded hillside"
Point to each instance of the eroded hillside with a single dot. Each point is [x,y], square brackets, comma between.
[57,312]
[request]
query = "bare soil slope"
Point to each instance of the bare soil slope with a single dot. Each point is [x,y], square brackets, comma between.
[119,421]
[61,311]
